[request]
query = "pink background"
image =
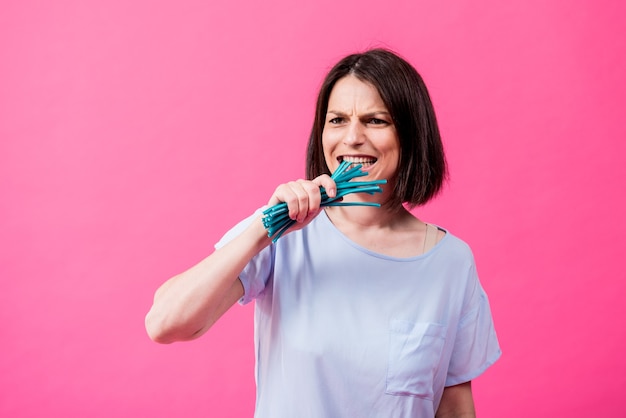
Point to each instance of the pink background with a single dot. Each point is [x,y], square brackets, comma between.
[134,133]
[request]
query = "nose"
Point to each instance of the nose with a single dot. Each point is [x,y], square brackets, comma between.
[355,135]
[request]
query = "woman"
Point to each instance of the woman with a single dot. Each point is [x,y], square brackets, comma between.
[360,311]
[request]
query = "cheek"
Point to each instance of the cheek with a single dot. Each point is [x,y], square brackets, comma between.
[326,151]
[387,144]
[328,144]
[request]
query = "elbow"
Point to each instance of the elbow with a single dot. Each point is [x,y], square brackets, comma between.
[159,337]
[157,330]
[162,331]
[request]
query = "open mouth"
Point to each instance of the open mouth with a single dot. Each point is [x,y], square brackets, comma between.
[364,161]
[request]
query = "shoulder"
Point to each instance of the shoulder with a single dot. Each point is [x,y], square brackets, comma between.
[454,242]
[239,227]
[454,248]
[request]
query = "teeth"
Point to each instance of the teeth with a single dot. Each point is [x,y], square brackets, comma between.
[360,160]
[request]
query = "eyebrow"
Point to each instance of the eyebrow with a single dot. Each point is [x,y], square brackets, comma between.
[374,113]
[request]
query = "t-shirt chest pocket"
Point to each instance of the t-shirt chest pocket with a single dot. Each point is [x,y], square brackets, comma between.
[415,350]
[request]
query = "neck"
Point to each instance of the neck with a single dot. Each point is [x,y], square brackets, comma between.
[367,216]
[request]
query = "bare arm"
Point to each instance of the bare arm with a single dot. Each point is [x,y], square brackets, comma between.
[457,402]
[188,304]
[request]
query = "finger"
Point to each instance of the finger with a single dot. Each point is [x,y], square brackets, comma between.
[287,194]
[327,183]
[297,200]
[314,195]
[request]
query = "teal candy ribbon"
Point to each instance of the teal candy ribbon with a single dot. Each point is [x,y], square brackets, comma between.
[276,218]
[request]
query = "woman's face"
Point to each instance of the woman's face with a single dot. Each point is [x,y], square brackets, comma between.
[359,129]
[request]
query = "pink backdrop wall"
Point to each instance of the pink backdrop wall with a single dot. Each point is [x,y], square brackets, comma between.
[134,133]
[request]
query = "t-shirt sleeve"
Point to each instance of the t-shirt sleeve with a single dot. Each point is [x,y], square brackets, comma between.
[256,273]
[476,345]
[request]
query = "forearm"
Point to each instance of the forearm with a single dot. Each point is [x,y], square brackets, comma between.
[188,304]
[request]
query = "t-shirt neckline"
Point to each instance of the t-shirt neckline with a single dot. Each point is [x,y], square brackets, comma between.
[359,247]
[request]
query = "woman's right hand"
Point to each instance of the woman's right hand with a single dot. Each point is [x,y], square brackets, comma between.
[303,198]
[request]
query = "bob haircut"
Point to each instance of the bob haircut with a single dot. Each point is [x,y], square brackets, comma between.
[422,168]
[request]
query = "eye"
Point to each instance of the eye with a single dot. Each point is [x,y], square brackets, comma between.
[376,121]
[335,121]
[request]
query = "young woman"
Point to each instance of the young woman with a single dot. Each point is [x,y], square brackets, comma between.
[360,311]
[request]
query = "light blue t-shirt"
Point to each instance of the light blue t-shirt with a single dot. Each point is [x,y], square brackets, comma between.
[341,331]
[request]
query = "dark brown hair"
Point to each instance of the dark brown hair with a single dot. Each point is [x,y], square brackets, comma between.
[422,167]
